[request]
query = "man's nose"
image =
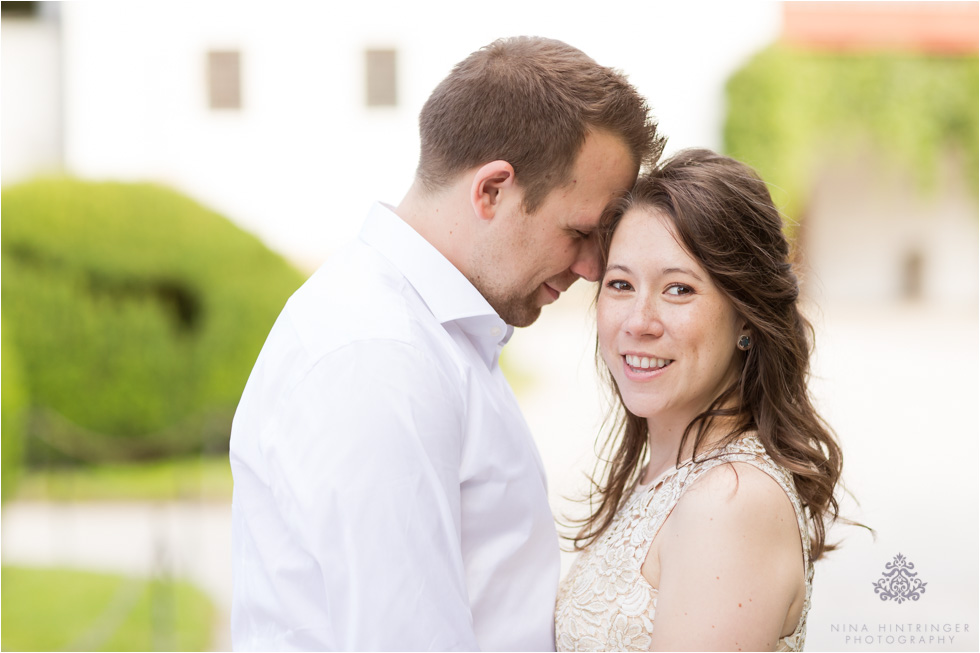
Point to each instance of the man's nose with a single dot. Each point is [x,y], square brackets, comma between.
[587,263]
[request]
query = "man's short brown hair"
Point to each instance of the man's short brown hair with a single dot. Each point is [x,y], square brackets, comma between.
[529,101]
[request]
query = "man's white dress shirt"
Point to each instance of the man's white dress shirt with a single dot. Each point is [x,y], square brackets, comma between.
[388,494]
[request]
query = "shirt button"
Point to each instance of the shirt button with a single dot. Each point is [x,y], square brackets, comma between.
[496,331]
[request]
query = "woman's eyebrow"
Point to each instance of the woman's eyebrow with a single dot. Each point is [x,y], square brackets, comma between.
[682,271]
[618,266]
[664,271]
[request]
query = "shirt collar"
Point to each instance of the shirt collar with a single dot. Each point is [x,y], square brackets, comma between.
[448,294]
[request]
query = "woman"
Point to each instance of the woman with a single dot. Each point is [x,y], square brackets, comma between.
[712,507]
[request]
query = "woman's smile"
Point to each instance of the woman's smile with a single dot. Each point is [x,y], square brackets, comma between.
[639,367]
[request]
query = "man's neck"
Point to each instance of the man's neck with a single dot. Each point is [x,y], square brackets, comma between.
[441,218]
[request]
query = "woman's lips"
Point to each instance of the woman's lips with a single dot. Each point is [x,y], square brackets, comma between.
[639,367]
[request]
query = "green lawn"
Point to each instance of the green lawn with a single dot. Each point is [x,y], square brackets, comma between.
[191,479]
[65,609]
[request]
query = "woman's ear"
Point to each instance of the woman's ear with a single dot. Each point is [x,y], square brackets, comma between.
[490,183]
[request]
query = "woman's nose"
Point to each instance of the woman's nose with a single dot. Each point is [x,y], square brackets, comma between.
[644,318]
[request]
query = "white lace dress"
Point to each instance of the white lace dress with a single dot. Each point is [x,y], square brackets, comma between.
[605,603]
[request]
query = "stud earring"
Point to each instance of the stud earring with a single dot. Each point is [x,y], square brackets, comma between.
[744,343]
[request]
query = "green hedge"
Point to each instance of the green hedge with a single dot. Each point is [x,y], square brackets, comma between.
[12,425]
[137,315]
[791,112]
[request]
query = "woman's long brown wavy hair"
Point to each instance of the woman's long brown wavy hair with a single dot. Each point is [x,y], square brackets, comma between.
[724,217]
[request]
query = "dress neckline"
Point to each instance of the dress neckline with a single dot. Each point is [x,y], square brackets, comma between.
[640,487]
[643,487]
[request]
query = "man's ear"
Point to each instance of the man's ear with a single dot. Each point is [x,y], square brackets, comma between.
[490,184]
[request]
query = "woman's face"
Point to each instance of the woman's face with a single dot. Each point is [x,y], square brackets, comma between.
[666,332]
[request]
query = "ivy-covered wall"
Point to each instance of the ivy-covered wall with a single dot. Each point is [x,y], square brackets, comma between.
[791,112]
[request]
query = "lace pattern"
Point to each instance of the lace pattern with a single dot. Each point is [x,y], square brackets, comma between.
[605,603]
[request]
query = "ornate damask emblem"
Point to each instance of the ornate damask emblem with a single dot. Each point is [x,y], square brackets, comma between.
[898,582]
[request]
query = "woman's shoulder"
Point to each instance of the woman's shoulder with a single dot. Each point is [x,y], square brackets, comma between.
[739,484]
[736,522]
[744,498]
[731,550]
[722,468]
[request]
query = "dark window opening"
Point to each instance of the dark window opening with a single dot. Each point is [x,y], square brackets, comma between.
[912,275]
[225,79]
[382,78]
[10,9]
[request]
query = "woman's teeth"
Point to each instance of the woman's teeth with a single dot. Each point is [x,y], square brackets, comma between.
[644,363]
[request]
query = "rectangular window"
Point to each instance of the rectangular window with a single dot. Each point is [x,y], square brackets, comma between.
[19,9]
[382,78]
[225,79]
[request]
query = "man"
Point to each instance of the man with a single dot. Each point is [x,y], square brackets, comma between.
[388,494]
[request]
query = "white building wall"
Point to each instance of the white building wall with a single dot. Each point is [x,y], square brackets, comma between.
[30,97]
[304,158]
[864,220]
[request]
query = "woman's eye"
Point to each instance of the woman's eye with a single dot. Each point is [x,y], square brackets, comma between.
[617,284]
[679,289]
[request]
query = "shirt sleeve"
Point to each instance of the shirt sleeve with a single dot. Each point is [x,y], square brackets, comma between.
[364,458]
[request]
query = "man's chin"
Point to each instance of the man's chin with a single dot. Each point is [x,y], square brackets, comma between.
[519,314]
[527,321]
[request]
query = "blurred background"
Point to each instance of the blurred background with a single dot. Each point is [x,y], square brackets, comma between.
[171,172]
